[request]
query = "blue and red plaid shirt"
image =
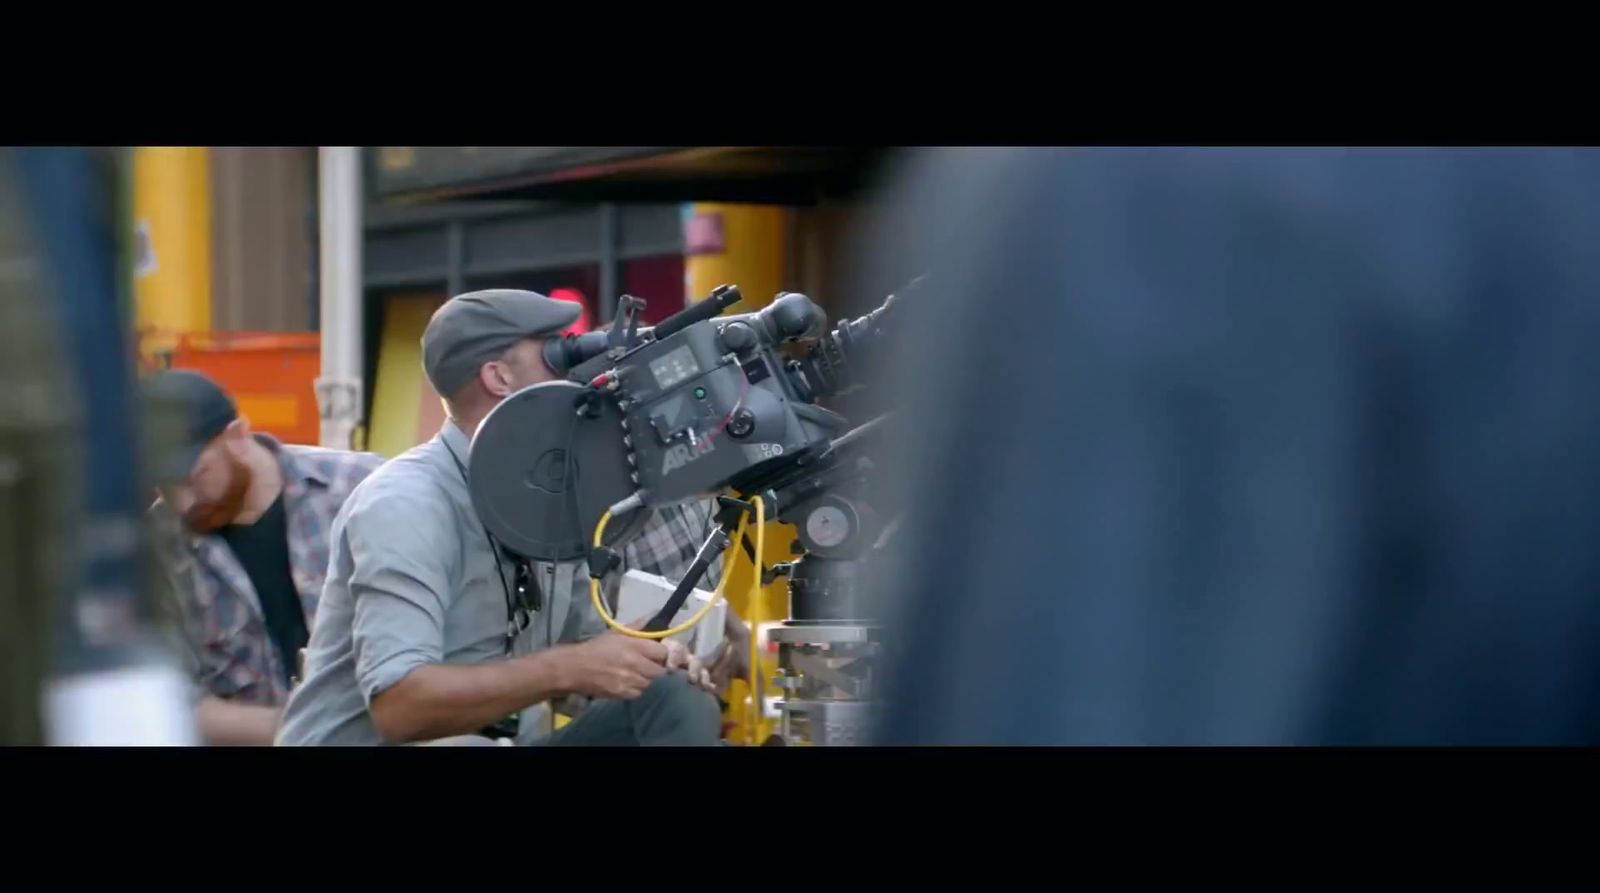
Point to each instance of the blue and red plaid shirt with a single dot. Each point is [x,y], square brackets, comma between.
[231,653]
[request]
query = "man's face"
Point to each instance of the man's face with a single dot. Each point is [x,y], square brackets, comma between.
[524,365]
[213,493]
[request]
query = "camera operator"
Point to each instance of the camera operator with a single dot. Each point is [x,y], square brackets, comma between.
[430,632]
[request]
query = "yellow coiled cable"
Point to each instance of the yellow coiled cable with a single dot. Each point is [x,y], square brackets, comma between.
[755,583]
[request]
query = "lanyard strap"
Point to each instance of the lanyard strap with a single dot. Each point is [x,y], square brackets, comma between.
[529,597]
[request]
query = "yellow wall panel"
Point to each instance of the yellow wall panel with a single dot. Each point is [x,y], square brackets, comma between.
[172,220]
[400,388]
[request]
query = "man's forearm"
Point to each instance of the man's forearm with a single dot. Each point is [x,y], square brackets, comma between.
[226,723]
[440,700]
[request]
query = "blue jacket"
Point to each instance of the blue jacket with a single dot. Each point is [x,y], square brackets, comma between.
[1249,446]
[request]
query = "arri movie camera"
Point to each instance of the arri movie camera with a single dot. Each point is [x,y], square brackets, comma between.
[696,406]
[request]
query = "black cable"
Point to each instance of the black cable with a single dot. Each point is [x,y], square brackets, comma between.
[514,624]
[569,465]
[511,725]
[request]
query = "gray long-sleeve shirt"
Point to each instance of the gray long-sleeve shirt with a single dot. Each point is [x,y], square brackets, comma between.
[413,581]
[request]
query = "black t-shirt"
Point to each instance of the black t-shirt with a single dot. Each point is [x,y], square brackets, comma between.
[263,549]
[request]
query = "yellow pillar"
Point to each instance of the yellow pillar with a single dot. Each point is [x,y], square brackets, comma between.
[172,260]
[405,410]
[745,245]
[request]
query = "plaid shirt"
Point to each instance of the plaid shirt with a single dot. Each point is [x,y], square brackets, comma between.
[230,651]
[669,541]
[666,545]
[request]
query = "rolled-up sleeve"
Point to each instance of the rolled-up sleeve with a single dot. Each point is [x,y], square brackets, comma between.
[404,552]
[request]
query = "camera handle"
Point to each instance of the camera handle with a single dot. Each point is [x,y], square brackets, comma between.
[625,329]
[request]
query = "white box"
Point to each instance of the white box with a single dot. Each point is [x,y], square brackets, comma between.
[643,595]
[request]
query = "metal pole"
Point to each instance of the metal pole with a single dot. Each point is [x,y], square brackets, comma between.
[610,264]
[339,388]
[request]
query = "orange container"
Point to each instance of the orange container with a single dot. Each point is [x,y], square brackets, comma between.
[271,375]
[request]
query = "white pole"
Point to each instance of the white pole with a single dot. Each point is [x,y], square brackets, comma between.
[339,223]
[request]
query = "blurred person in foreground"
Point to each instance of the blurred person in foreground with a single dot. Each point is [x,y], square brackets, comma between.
[1278,447]
[431,633]
[241,525]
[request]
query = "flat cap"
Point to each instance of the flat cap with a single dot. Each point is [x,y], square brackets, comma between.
[474,328]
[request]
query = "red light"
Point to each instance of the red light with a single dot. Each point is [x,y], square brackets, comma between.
[584,322]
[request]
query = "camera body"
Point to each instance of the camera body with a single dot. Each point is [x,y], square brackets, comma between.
[658,416]
[716,404]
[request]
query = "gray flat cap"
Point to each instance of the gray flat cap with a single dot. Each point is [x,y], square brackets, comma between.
[474,328]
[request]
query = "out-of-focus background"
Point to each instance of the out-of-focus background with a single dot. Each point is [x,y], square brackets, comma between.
[1270,446]
[230,243]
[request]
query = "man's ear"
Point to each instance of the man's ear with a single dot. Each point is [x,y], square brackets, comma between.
[236,435]
[494,378]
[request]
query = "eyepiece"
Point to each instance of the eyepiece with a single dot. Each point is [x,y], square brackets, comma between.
[564,353]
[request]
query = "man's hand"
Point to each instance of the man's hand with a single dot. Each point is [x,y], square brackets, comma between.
[679,657]
[227,723]
[613,665]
